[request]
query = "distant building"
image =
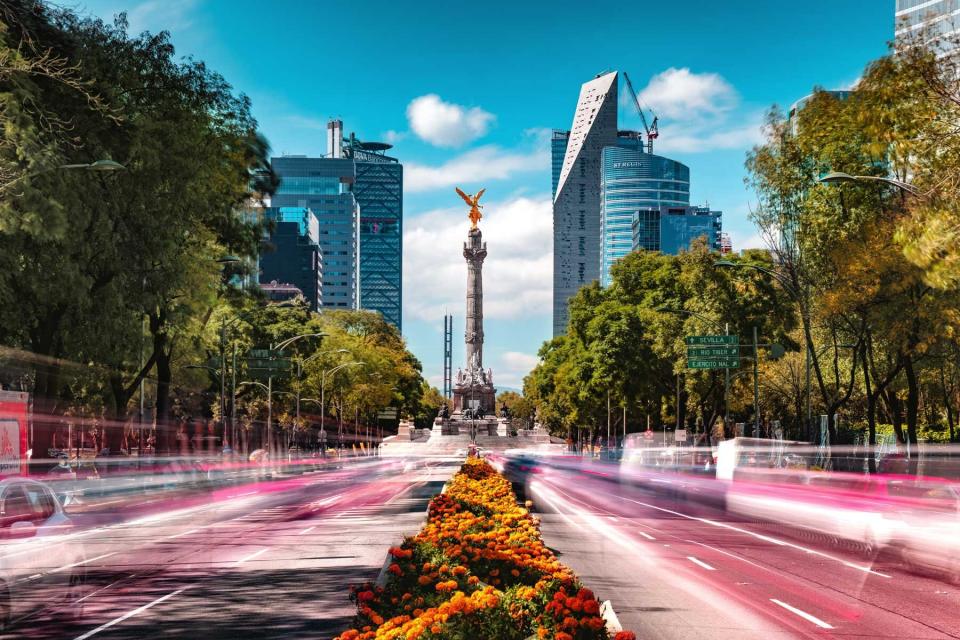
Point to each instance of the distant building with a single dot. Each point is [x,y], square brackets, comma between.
[378,189]
[935,22]
[576,187]
[281,292]
[633,180]
[291,253]
[726,245]
[674,229]
[356,191]
[323,185]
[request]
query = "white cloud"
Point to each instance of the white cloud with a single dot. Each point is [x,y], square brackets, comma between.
[699,113]
[393,137]
[701,137]
[517,276]
[513,367]
[484,163]
[682,94]
[446,124]
[742,241]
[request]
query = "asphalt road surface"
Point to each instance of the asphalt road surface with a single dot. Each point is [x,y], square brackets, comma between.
[271,558]
[677,569]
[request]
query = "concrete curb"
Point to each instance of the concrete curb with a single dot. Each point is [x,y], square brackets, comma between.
[381,580]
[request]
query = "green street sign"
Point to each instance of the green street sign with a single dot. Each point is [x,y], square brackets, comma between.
[712,340]
[713,363]
[714,352]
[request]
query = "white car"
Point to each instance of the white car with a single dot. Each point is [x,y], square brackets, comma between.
[40,562]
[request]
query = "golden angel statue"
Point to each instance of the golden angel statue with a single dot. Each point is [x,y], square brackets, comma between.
[475,206]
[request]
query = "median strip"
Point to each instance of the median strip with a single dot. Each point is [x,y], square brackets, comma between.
[478,568]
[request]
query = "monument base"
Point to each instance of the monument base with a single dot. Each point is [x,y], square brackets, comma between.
[482,396]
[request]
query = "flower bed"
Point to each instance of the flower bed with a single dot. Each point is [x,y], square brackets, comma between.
[477,569]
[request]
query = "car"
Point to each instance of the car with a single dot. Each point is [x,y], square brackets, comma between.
[41,564]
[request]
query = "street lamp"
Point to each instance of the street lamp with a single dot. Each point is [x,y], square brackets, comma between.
[100,166]
[837,177]
[227,259]
[323,387]
[304,361]
[270,393]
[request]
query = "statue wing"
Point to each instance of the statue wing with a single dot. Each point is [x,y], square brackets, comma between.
[476,198]
[464,196]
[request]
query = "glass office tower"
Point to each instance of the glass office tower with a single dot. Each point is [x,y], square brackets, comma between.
[633,181]
[378,189]
[323,186]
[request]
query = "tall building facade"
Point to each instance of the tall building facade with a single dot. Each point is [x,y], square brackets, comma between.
[290,255]
[378,189]
[576,202]
[633,180]
[673,229]
[323,185]
[935,22]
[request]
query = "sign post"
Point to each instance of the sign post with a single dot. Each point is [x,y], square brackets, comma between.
[713,352]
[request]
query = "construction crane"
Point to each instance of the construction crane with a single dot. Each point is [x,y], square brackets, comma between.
[652,132]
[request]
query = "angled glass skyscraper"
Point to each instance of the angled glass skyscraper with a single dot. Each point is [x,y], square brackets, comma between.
[576,201]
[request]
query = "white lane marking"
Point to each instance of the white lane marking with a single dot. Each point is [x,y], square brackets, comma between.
[759,536]
[803,614]
[700,563]
[77,564]
[130,614]
[646,535]
[307,530]
[185,533]
[252,555]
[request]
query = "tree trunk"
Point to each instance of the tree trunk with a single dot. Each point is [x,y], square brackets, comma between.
[913,399]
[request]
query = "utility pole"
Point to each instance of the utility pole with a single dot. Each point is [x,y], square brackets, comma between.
[726,389]
[756,388]
[447,356]
[608,419]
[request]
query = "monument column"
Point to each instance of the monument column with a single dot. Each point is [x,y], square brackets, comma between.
[474,251]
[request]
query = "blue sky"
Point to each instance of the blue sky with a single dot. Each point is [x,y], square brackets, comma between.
[469,92]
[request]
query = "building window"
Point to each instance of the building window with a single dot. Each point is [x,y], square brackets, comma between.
[583,220]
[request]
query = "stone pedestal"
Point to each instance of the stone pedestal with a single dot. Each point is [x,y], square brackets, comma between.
[482,395]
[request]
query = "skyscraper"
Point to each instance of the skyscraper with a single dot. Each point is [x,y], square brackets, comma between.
[378,189]
[290,255]
[934,22]
[323,186]
[633,180]
[576,203]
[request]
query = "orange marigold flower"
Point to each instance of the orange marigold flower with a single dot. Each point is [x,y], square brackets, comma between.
[395,569]
[625,635]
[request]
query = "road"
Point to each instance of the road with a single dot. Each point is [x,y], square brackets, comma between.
[264,559]
[678,569]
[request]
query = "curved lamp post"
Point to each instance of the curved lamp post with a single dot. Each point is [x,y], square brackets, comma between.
[837,177]
[323,386]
